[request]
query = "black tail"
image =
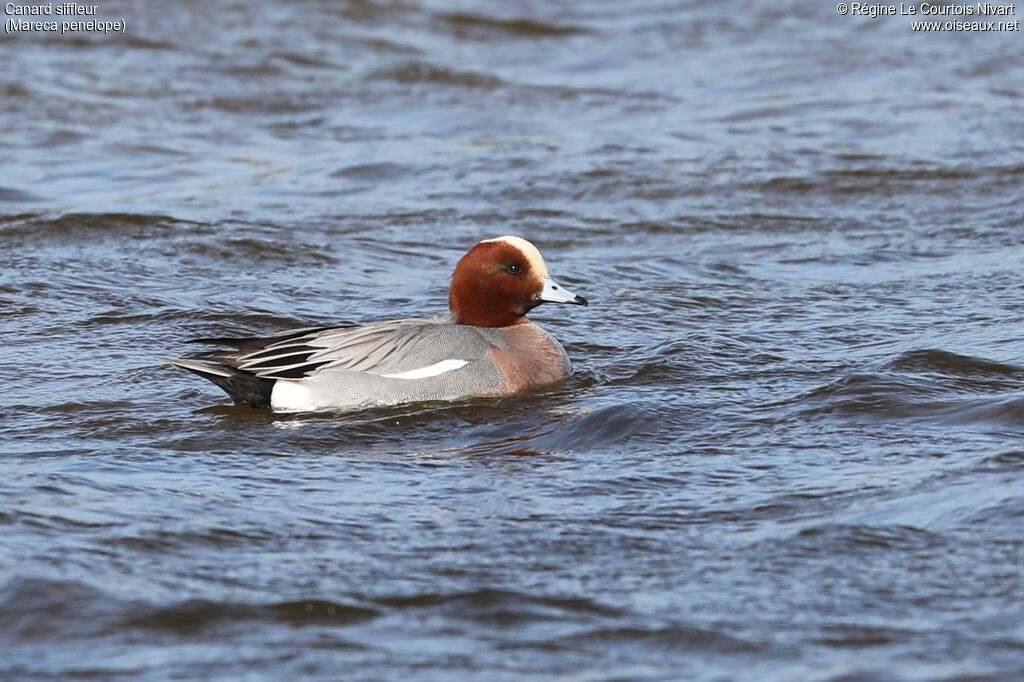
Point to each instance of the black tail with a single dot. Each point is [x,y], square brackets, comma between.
[245,388]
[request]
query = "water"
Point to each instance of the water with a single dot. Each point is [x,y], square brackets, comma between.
[792,448]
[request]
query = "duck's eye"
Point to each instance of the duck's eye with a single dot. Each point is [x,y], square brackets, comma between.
[513,268]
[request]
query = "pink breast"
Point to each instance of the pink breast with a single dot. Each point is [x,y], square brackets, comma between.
[534,358]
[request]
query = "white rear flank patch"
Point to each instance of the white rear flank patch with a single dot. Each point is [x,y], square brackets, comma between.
[430,370]
[528,250]
[291,396]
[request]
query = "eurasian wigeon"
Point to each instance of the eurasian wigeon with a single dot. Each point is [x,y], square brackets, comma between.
[486,347]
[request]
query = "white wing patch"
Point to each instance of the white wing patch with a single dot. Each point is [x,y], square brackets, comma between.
[430,370]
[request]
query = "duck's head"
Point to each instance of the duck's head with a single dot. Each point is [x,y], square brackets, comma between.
[500,280]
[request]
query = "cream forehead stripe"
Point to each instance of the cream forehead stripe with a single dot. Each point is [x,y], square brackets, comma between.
[529,250]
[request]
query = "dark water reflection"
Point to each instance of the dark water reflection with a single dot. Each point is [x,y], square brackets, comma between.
[791,449]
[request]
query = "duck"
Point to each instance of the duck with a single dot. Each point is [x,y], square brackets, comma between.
[485,347]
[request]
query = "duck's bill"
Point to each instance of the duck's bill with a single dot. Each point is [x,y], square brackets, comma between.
[553,292]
